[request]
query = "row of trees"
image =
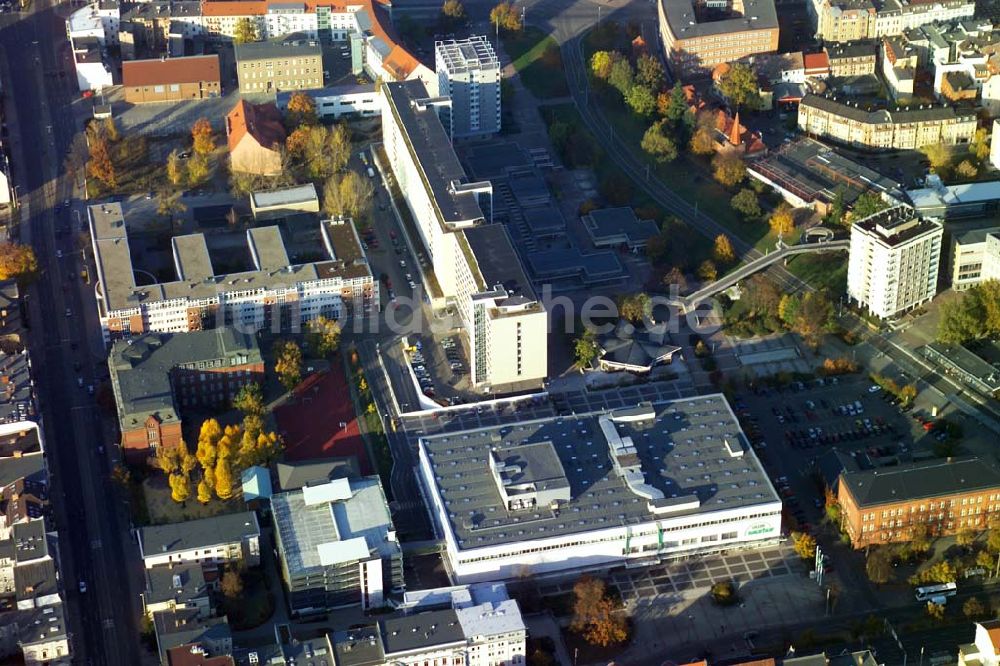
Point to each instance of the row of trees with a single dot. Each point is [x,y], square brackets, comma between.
[222,453]
[941,158]
[196,169]
[973,316]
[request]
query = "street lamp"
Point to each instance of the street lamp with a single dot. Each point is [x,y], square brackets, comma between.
[15,194]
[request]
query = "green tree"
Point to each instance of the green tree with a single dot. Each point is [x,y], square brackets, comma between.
[621,77]
[703,139]
[675,111]
[506,17]
[649,72]
[961,320]
[657,144]
[815,313]
[745,203]
[586,349]
[288,363]
[867,205]
[739,86]
[728,169]
[641,100]
[245,31]
[878,566]
[323,335]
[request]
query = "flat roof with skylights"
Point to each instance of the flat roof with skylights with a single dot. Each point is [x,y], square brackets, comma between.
[560,493]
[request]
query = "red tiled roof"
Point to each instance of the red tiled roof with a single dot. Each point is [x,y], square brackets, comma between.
[170,70]
[816,61]
[182,655]
[261,121]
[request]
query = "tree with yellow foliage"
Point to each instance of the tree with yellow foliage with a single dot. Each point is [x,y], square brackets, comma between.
[224,479]
[723,252]
[782,220]
[180,487]
[204,492]
[202,136]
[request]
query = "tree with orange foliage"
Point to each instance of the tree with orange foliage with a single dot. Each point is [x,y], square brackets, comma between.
[100,165]
[594,615]
[17,262]
[301,110]
[201,133]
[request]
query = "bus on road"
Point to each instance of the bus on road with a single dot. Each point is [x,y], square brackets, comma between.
[929,592]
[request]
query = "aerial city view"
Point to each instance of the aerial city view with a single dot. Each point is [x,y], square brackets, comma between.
[500,332]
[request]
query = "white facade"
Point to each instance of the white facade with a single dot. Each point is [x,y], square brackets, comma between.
[893,264]
[507,335]
[661,527]
[93,76]
[468,72]
[282,20]
[337,102]
[985,648]
[246,547]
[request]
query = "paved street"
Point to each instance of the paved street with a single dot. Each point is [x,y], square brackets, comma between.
[90,516]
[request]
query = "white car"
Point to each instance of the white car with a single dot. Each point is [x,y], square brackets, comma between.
[83,587]
[874,388]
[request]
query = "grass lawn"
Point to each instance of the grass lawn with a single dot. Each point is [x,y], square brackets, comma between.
[162,509]
[538,60]
[827,270]
[254,607]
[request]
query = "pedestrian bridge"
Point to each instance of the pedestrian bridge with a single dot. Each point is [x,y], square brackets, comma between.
[692,301]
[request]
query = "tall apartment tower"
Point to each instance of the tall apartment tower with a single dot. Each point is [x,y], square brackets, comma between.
[893,265]
[468,73]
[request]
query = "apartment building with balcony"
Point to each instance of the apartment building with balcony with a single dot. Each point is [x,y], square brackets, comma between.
[231,537]
[272,292]
[883,505]
[469,73]
[905,128]
[893,262]
[848,20]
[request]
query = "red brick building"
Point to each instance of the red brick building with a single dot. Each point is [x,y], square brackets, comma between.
[883,505]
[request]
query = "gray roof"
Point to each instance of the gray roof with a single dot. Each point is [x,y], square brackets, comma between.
[474,53]
[30,467]
[160,583]
[896,225]
[545,220]
[640,348]
[683,19]
[116,272]
[285,196]
[813,171]
[215,531]
[571,264]
[862,48]
[683,452]
[878,116]
[608,223]
[498,262]
[921,480]
[41,625]
[35,580]
[30,542]
[140,368]
[431,149]
[295,475]
[281,48]
[495,159]
[359,647]
[184,626]
[421,631]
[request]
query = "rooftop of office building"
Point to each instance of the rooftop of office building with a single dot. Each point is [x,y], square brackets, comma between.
[337,522]
[466,54]
[920,480]
[600,470]
[685,21]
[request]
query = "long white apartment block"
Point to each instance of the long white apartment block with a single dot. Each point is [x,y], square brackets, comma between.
[273,292]
[597,490]
[475,266]
[894,259]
